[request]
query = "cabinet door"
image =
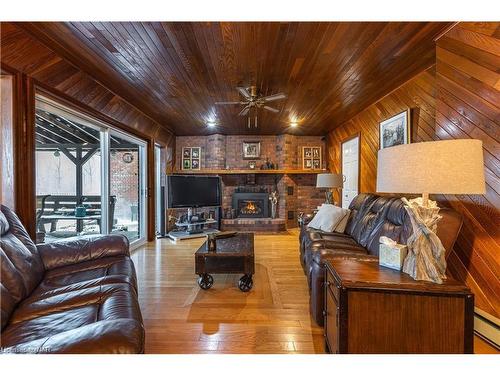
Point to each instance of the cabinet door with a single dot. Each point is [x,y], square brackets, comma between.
[332,322]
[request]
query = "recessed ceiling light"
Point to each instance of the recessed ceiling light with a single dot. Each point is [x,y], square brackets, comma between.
[294,124]
[210,124]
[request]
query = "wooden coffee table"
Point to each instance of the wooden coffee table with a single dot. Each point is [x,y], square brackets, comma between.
[233,255]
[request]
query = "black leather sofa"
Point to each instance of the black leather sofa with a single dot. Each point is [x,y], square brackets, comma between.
[371,217]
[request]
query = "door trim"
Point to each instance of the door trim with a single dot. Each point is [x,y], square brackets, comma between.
[347,139]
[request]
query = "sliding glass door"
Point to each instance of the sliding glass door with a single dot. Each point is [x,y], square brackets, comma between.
[90,177]
[127,158]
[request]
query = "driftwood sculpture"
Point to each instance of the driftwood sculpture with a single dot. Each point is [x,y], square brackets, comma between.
[426,254]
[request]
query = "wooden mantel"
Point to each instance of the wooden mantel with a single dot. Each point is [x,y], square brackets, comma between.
[250,171]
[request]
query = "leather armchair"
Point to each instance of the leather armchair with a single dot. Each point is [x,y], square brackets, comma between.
[74,296]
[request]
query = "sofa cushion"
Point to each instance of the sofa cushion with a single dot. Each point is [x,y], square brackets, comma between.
[93,269]
[68,311]
[118,336]
[359,205]
[392,222]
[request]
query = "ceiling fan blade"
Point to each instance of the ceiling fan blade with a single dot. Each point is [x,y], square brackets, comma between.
[270,98]
[271,109]
[244,111]
[226,103]
[243,91]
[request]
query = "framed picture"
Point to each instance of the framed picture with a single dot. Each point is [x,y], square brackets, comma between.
[251,150]
[395,130]
[311,157]
[191,158]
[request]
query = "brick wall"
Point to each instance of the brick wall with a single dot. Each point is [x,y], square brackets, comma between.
[296,192]
[124,184]
[220,151]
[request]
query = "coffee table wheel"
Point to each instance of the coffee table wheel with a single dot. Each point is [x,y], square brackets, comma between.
[245,283]
[205,281]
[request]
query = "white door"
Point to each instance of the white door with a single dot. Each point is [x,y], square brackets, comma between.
[350,170]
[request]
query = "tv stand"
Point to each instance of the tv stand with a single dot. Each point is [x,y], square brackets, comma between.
[194,229]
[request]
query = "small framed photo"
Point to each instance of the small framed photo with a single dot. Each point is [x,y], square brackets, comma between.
[251,150]
[311,157]
[395,130]
[191,158]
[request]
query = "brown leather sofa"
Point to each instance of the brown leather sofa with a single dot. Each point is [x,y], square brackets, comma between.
[371,217]
[74,296]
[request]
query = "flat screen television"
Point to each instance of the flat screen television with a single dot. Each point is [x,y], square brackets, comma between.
[193,191]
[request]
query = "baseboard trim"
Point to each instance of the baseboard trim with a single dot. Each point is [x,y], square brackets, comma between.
[487,327]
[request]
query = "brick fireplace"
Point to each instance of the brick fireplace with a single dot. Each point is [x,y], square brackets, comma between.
[296,192]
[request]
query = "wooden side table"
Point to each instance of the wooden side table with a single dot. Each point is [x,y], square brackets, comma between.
[373,309]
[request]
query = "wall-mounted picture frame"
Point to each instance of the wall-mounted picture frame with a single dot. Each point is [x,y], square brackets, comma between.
[251,150]
[191,158]
[311,157]
[395,130]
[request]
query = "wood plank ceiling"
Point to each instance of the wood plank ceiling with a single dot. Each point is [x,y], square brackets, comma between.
[175,72]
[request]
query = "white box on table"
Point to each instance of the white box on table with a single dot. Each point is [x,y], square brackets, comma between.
[392,256]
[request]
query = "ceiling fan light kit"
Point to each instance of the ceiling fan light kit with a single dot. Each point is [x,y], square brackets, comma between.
[252,100]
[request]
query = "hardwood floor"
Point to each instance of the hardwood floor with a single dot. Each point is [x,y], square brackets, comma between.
[273,317]
[179,317]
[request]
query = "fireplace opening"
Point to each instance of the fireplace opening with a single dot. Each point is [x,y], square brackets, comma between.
[252,208]
[251,205]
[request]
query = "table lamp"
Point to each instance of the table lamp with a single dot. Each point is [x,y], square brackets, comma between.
[439,167]
[329,181]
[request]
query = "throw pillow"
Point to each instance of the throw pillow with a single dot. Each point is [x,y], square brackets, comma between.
[330,218]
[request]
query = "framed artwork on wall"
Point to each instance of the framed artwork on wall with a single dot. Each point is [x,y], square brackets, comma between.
[191,158]
[251,150]
[395,130]
[311,158]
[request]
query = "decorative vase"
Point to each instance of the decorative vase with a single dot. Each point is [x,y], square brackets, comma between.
[273,210]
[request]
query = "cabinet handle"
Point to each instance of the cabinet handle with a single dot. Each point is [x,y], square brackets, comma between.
[327,283]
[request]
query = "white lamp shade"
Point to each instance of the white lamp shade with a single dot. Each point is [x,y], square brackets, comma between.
[440,167]
[329,180]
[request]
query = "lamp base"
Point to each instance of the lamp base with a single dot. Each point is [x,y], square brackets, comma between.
[426,254]
[329,197]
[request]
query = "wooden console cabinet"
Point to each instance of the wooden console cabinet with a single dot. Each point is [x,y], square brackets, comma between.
[373,309]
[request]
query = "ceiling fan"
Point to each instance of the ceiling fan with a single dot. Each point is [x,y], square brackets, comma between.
[251,99]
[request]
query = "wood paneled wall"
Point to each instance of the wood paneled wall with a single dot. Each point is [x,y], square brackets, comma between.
[468,106]
[7,196]
[458,98]
[37,67]
[417,94]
